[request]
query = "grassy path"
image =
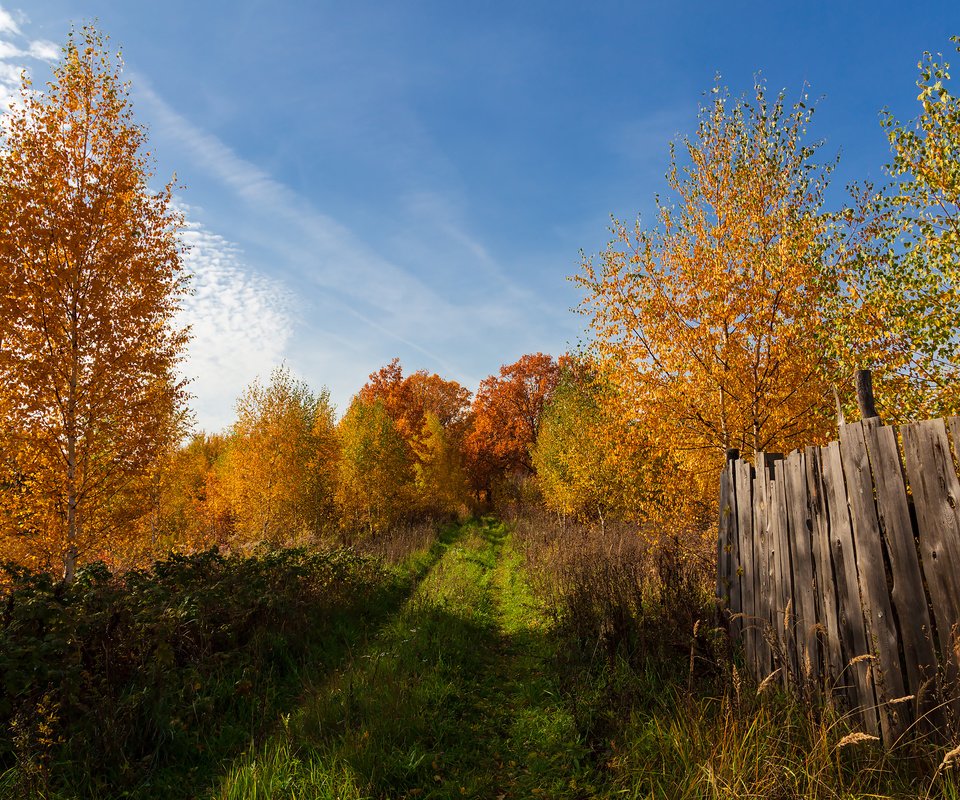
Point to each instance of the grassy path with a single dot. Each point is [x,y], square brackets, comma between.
[453,698]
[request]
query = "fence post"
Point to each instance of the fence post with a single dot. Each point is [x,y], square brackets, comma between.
[726,537]
[868,409]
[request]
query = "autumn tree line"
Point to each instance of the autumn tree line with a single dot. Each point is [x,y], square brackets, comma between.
[735,319]
[408,448]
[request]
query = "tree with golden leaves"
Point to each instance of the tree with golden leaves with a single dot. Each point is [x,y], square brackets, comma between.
[708,321]
[190,506]
[375,481]
[590,463]
[90,282]
[281,461]
[440,479]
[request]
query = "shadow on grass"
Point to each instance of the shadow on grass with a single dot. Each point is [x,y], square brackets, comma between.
[445,703]
[235,708]
[258,708]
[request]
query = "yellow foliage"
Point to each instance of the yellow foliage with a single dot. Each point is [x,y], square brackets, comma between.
[90,282]
[375,476]
[280,465]
[708,321]
[440,479]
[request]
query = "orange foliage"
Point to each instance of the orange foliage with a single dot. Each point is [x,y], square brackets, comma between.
[409,399]
[90,282]
[430,414]
[506,418]
[187,509]
[709,321]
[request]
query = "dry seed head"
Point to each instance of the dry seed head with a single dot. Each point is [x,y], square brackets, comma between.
[768,680]
[950,758]
[856,738]
[905,699]
[786,614]
[858,659]
[921,692]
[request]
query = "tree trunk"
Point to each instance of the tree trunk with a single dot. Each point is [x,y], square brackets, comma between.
[70,555]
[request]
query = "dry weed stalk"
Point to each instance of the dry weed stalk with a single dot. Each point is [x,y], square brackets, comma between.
[856,738]
[950,759]
[769,680]
[693,652]
[904,699]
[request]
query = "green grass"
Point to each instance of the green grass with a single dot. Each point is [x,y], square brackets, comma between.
[475,690]
[650,681]
[453,678]
[455,698]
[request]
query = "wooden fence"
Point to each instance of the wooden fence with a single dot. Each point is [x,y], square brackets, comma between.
[842,571]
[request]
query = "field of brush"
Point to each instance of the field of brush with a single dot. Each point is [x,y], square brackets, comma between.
[486,660]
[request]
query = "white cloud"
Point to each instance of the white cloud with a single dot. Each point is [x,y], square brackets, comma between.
[442,303]
[42,50]
[241,323]
[15,58]
[7,23]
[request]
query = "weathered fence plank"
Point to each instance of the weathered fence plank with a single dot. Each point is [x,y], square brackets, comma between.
[761,577]
[802,564]
[856,675]
[748,571]
[767,460]
[773,556]
[906,591]
[936,493]
[736,601]
[786,608]
[826,583]
[874,593]
[724,536]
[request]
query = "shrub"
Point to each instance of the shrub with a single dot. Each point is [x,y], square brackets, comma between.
[117,676]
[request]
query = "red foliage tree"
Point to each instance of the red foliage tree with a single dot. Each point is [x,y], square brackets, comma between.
[409,399]
[506,416]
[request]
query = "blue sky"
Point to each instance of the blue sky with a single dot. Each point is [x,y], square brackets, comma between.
[370,180]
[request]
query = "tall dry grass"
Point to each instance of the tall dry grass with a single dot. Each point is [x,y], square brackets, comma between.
[616,587]
[659,693]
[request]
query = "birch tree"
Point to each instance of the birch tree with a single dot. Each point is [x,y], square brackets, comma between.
[90,282]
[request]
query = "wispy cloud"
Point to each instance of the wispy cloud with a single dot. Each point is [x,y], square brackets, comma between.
[241,323]
[458,312]
[326,250]
[7,22]
[16,54]
[334,259]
